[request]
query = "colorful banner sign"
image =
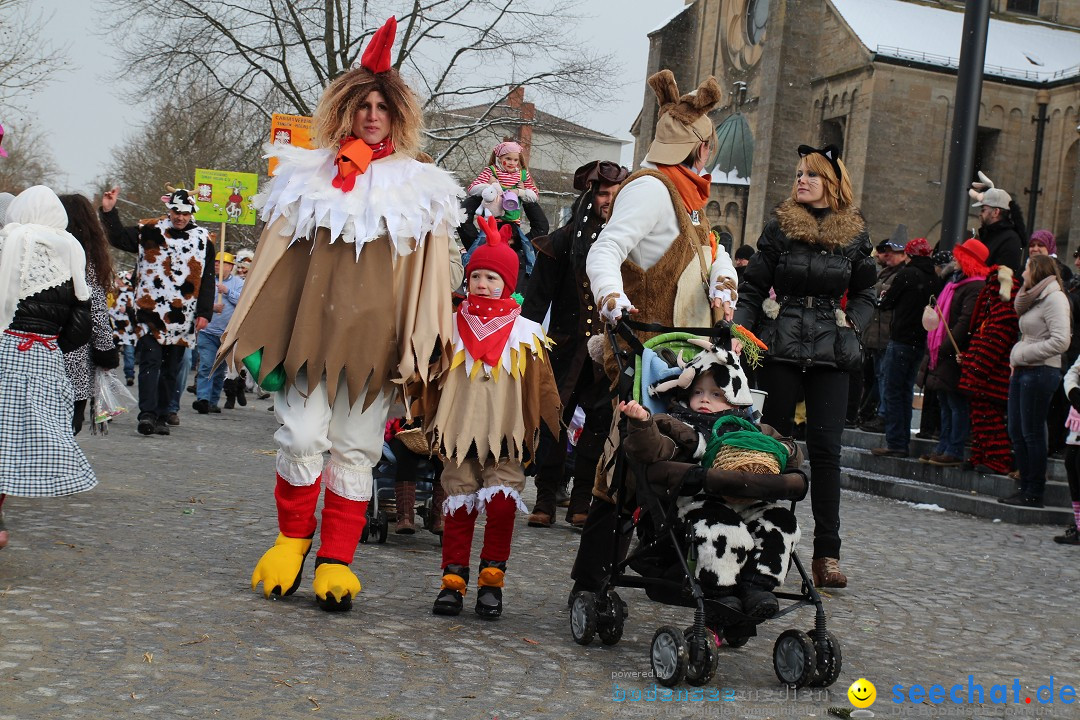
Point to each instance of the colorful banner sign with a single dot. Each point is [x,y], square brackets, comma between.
[289,130]
[224,196]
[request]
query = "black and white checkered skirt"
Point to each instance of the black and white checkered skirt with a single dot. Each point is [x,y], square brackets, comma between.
[38,453]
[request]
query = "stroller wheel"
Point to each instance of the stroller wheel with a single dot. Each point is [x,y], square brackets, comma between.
[794,658]
[364,533]
[611,622]
[382,527]
[829,660]
[703,659]
[583,618]
[669,656]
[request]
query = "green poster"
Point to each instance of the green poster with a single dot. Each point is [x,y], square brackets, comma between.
[224,196]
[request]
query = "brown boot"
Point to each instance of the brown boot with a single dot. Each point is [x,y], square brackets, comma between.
[827,573]
[405,499]
[438,495]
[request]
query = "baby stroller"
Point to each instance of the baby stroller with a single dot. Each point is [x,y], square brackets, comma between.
[663,560]
[383,477]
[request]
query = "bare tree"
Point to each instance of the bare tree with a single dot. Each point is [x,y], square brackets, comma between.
[277,55]
[26,61]
[30,160]
[188,132]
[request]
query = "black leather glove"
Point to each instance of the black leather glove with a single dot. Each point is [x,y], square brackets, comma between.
[1074,398]
[108,359]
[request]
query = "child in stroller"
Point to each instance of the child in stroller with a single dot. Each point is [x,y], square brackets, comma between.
[743,545]
[705,490]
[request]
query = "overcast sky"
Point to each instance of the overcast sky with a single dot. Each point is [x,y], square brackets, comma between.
[84,117]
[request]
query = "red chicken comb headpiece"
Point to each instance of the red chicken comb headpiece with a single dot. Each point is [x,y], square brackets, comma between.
[496,253]
[376,57]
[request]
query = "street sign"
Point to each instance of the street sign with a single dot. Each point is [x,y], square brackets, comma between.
[224,196]
[289,130]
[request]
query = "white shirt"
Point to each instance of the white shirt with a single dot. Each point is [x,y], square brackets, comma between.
[642,227]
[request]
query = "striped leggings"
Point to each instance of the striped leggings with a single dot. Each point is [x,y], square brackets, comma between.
[990,444]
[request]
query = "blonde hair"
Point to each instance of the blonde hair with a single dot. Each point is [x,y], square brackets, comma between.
[1042,267]
[333,119]
[838,194]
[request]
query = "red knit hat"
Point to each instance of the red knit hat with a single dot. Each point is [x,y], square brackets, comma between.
[496,254]
[917,248]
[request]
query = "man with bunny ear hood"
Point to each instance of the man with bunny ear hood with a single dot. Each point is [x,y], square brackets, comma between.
[657,232]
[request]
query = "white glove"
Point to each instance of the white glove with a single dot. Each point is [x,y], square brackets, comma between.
[491,193]
[612,307]
[527,195]
[721,295]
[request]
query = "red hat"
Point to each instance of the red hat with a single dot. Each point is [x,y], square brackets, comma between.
[376,57]
[917,248]
[495,254]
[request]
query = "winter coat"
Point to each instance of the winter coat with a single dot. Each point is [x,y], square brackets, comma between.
[661,438]
[946,374]
[811,259]
[55,311]
[1045,330]
[1005,245]
[574,316]
[984,371]
[876,335]
[909,294]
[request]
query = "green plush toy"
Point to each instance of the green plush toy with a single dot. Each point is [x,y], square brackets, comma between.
[274,380]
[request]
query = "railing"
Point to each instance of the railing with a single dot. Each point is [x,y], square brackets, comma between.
[996,70]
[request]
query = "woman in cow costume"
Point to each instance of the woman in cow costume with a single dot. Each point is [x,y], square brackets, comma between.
[349,292]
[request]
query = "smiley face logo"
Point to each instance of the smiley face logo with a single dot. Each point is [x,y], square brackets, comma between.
[862,693]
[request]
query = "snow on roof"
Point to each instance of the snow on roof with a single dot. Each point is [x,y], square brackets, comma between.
[719,177]
[932,35]
[669,20]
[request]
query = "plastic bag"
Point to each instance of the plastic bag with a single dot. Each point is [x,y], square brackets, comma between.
[111,398]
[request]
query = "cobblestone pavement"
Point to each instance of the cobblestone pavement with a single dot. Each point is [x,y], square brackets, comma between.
[133,600]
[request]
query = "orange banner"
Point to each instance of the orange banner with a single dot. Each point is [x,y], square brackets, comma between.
[289,130]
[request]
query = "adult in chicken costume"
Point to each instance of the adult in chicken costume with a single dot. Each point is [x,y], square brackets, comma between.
[348,294]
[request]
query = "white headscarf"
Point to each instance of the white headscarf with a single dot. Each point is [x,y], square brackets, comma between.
[36,251]
[5,202]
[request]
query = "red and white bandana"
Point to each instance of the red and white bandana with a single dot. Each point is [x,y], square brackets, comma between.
[484,325]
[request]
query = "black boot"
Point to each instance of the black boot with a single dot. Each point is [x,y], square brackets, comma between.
[230,393]
[451,596]
[489,596]
[147,423]
[240,386]
[755,591]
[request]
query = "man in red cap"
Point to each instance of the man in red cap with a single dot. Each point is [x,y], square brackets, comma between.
[906,297]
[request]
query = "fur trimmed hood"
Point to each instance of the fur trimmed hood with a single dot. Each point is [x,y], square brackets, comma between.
[835,230]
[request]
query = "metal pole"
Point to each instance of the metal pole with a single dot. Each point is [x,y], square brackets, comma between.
[965,122]
[1043,99]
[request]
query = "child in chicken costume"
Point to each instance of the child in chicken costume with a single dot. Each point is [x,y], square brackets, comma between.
[486,415]
[349,293]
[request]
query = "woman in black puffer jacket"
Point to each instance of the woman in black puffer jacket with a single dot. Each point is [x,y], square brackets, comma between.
[813,251]
[44,310]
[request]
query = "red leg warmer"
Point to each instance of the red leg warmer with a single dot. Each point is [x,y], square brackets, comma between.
[500,528]
[457,537]
[343,522]
[296,507]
